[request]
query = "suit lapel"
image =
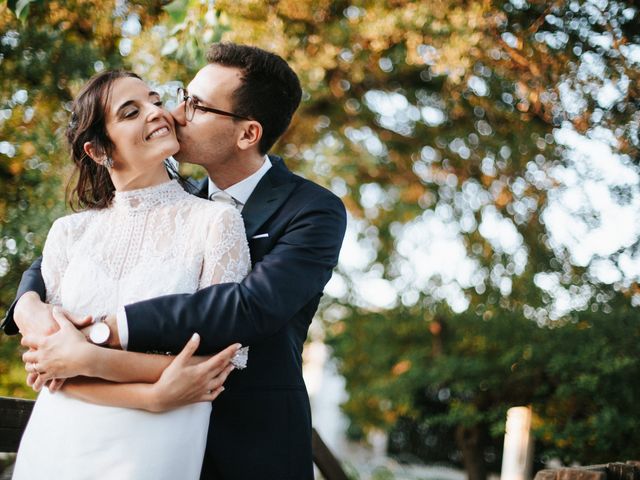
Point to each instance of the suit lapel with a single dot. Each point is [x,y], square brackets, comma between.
[270,193]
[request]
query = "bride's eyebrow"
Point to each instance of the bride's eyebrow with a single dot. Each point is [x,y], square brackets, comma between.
[124,105]
[129,102]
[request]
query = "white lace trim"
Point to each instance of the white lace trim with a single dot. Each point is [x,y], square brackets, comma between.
[144,199]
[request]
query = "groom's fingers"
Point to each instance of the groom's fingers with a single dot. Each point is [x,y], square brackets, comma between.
[189,349]
[32,341]
[30,356]
[78,322]
[60,316]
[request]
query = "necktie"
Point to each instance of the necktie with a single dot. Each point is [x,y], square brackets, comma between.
[224,197]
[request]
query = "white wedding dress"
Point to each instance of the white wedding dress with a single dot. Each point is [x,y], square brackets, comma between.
[149,242]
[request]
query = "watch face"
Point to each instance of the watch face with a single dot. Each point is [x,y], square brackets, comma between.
[99,333]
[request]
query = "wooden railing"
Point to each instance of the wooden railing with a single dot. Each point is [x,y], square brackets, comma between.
[15,413]
[609,471]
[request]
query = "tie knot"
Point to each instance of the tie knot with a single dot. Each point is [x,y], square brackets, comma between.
[223,197]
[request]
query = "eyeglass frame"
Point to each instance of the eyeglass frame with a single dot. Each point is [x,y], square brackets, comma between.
[183,96]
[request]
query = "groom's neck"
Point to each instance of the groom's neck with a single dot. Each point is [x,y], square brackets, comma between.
[235,169]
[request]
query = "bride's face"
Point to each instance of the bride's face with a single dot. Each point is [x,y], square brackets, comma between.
[142,131]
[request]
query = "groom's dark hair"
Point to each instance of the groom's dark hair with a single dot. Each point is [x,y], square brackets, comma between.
[270,91]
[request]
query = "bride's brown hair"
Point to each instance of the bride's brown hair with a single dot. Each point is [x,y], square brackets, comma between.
[92,187]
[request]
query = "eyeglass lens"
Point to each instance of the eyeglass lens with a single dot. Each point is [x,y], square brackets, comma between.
[189,110]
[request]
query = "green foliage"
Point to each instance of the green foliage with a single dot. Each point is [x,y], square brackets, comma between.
[444,370]
[21,7]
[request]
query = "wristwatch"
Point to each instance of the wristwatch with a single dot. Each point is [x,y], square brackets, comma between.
[99,332]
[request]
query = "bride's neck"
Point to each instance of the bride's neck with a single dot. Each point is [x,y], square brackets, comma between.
[136,179]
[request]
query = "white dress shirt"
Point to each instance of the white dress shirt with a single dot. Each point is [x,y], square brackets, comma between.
[240,192]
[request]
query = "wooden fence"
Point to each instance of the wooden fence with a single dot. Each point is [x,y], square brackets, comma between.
[610,471]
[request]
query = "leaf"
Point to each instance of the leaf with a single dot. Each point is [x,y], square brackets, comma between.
[177,10]
[22,9]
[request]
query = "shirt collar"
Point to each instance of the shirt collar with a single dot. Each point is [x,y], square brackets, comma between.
[242,190]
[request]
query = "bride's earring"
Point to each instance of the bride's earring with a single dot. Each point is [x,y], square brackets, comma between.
[108,163]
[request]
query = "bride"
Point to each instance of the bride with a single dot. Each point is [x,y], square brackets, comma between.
[139,236]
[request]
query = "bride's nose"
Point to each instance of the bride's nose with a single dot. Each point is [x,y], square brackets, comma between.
[155,112]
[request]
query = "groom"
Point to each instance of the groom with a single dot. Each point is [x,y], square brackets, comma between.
[231,114]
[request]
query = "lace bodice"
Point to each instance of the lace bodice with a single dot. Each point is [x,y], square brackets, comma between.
[149,242]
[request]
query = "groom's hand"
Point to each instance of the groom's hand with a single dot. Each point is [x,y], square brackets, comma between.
[63,354]
[33,316]
[186,381]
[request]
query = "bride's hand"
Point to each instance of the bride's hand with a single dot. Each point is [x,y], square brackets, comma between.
[189,379]
[63,354]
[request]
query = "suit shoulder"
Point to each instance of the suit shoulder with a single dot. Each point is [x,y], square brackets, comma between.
[314,190]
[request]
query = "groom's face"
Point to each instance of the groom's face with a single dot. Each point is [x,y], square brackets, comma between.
[209,139]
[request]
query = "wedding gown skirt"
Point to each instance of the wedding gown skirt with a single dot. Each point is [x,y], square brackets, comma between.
[150,242]
[71,439]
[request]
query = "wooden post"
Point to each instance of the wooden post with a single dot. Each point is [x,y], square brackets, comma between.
[518,445]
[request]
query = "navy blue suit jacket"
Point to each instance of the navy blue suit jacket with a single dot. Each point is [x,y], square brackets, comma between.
[261,424]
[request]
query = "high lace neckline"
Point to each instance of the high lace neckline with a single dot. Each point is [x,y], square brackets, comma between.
[142,199]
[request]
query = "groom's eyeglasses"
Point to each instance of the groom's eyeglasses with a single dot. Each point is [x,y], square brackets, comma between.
[191,105]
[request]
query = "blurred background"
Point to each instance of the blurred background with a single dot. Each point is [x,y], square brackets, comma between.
[488,156]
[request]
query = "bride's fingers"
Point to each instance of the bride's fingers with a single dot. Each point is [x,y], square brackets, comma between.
[219,380]
[216,369]
[56,384]
[189,349]
[211,395]
[221,360]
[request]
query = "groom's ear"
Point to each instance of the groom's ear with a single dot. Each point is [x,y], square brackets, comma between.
[250,135]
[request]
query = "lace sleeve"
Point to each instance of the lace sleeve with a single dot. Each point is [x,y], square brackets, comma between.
[227,253]
[55,261]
